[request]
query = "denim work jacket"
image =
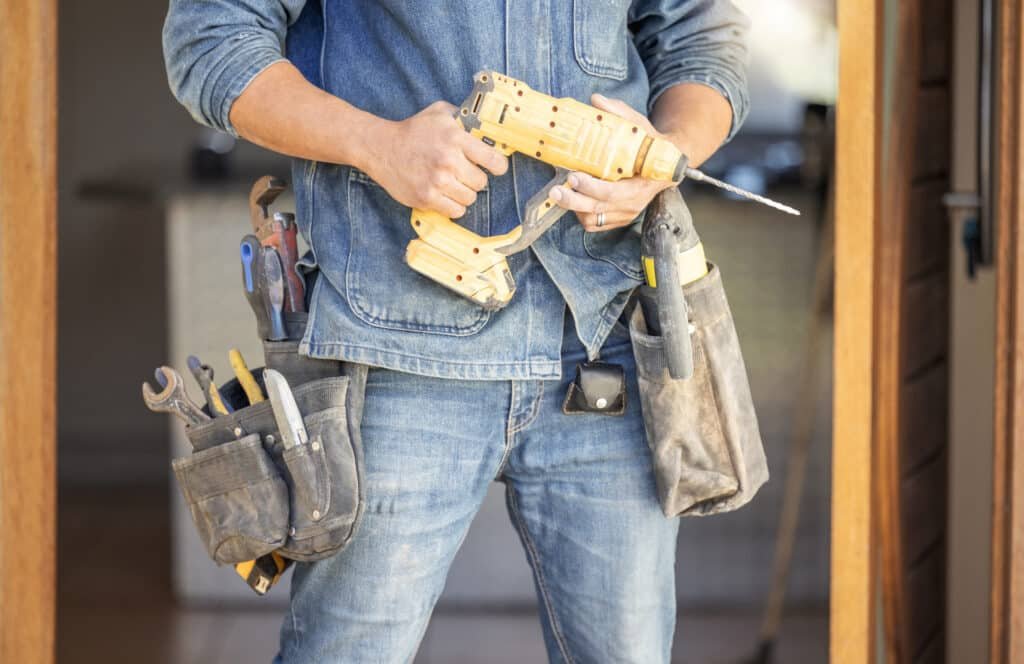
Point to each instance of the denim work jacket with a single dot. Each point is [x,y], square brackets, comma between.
[395,57]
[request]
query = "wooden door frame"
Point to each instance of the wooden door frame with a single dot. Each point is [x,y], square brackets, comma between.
[1007,605]
[858,163]
[28,252]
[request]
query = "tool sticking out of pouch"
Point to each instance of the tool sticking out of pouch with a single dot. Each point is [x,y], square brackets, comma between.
[668,225]
[279,231]
[203,374]
[253,282]
[262,573]
[263,193]
[245,378]
[281,234]
[272,286]
[173,398]
[286,411]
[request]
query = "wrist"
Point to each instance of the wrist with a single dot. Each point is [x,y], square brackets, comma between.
[364,137]
[688,145]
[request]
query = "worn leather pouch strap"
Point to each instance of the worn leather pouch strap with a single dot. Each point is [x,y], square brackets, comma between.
[599,387]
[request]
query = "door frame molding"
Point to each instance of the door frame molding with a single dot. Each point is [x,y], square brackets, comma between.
[859,117]
[28,330]
[1007,599]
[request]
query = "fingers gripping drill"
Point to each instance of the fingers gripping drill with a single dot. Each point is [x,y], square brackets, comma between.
[569,135]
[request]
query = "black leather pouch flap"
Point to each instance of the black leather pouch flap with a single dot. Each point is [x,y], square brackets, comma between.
[599,387]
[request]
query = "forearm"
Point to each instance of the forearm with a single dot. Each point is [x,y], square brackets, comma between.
[282,111]
[696,117]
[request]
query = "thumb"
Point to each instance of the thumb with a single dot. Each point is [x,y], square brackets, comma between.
[620,108]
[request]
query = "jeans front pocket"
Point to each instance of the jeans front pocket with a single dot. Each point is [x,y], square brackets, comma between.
[380,288]
[237,499]
[600,37]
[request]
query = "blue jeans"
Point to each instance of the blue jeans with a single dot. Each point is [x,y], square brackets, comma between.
[580,491]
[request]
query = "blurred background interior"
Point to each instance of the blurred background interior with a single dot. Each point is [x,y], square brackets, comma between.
[141,183]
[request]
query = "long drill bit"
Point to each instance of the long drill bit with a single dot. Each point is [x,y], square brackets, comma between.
[698,176]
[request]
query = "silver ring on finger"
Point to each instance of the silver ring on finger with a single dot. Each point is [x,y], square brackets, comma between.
[600,219]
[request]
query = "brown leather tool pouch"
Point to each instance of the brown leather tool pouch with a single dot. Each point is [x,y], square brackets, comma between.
[702,431]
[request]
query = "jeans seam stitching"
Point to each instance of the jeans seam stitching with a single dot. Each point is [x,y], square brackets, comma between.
[509,433]
[534,411]
[534,556]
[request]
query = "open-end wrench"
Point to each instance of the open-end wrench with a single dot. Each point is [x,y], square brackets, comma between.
[173,398]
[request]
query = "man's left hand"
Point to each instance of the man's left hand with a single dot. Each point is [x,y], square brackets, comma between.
[619,202]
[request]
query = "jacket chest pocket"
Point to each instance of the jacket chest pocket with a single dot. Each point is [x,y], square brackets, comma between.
[380,288]
[600,37]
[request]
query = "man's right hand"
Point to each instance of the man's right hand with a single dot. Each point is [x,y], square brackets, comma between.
[429,161]
[426,161]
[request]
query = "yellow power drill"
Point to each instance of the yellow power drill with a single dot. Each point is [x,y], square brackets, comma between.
[571,136]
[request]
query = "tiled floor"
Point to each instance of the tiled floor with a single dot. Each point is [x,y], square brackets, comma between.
[115,606]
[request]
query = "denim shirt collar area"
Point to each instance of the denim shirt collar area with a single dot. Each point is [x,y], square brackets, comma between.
[393,58]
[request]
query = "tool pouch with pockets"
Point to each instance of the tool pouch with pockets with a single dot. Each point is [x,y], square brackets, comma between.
[248,495]
[702,430]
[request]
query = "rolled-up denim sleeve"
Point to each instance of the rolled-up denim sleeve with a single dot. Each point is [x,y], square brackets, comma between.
[696,41]
[213,49]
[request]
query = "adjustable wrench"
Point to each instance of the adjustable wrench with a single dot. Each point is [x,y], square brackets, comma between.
[173,398]
[264,192]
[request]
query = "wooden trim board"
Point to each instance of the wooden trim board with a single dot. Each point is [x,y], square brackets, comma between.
[28,188]
[1007,636]
[897,171]
[858,146]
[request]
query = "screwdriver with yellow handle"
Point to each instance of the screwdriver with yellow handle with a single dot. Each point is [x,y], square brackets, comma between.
[565,133]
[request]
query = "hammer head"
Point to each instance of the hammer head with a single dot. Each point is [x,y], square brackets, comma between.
[264,192]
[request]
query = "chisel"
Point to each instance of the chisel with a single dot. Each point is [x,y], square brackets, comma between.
[271,283]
